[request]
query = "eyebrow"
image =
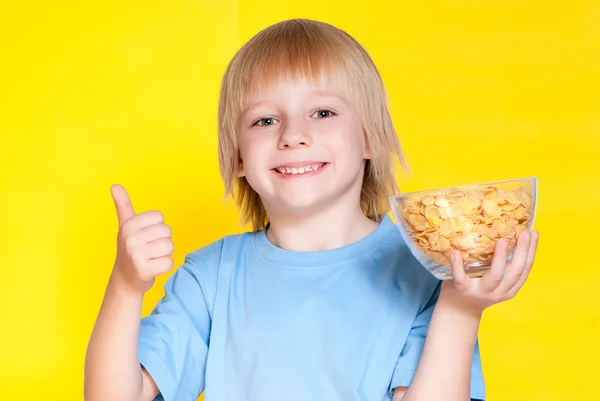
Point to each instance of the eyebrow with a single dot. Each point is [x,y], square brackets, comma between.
[318,93]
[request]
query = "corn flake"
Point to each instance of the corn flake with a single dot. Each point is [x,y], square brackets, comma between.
[469,220]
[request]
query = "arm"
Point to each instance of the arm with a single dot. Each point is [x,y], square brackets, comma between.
[413,357]
[144,249]
[170,344]
[115,338]
[444,369]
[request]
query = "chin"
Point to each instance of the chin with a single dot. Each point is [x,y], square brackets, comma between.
[301,205]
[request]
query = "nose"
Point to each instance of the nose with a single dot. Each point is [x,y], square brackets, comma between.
[295,135]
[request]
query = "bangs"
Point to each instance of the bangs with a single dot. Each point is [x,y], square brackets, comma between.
[294,51]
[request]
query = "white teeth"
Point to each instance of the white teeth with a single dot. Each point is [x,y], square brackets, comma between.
[298,170]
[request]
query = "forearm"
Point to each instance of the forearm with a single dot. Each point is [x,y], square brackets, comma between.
[444,371]
[112,368]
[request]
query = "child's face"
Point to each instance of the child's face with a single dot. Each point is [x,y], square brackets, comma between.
[302,147]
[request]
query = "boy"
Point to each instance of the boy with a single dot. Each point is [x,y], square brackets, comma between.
[322,300]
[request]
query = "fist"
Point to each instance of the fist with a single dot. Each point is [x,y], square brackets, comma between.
[144,244]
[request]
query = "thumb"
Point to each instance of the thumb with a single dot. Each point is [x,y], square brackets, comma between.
[122,203]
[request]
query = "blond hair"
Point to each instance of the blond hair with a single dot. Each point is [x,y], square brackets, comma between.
[307,49]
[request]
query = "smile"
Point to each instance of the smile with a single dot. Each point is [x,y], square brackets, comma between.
[299,170]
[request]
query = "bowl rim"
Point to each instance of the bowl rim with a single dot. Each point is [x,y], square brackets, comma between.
[533,179]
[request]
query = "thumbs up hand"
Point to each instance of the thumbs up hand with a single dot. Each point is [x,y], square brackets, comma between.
[144,244]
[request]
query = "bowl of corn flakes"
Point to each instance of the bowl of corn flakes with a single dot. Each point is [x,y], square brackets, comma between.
[468,218]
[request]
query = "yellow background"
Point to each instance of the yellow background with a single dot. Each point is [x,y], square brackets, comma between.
[94,93]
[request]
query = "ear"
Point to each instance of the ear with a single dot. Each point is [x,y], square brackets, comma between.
[367,153]
[240,171]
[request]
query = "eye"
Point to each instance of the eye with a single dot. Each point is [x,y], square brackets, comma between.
[323,113]
[264,122]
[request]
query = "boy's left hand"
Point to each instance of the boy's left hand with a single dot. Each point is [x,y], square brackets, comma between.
[502,282]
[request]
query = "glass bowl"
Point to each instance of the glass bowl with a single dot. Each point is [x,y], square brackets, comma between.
[468,218]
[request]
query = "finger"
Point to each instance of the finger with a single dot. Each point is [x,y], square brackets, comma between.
[154,232]
[459,276]
[493,277]
[160,248]
[535,240]
[162,265]
[122,204]
[518,262]
[143,220]
[529,265]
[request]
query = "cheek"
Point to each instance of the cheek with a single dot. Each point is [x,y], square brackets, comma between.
[252,154]
[247,149]
[353,146]
[241,144]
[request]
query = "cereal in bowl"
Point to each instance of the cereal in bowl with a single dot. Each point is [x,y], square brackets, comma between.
[470,220]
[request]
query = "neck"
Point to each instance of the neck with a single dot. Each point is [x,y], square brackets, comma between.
[330,228]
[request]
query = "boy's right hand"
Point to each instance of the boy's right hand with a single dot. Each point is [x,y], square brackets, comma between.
[144,245]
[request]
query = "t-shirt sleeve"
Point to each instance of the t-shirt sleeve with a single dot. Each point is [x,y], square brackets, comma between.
[408,360]
[173,339]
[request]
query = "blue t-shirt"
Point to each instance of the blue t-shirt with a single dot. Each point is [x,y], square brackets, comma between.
[244,320]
